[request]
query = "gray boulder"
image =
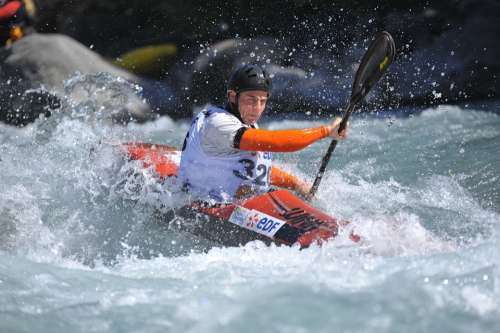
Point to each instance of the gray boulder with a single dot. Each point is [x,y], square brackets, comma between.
[33,71]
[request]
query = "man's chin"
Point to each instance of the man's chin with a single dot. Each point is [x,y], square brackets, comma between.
[251,121]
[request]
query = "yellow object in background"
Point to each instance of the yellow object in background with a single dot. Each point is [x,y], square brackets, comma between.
[153,60]
[30,8]
[16,33]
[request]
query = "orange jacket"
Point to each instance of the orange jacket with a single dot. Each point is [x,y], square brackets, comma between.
[281,140]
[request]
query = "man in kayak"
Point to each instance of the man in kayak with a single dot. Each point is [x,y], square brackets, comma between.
[225,156]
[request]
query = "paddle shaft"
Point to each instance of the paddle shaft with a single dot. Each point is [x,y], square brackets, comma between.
[331,149]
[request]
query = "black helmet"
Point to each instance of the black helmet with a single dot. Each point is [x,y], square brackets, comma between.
[249,77]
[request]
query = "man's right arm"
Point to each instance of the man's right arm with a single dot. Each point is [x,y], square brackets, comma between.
[286,140]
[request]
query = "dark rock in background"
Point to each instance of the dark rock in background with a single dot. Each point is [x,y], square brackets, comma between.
[449,53]
[447,50]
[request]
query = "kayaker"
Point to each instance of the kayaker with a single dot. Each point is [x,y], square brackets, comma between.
[225,155]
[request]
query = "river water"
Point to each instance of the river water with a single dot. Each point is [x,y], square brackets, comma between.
[80,251]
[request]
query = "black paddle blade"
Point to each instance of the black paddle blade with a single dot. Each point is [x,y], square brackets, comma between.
[375,62]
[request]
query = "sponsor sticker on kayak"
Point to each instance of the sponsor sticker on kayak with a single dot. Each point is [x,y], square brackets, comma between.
[256,221]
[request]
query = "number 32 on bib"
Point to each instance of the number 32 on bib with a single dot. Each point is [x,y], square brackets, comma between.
[257,172]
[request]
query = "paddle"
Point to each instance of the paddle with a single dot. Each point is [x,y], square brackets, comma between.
[379,56]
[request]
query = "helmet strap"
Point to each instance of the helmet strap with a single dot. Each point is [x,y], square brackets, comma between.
[237,104]
[234,108]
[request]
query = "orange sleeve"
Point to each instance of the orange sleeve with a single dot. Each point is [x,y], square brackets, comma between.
[281,178]
[282,140]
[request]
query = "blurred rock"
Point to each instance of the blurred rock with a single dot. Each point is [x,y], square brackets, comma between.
[457,63]
[294,89]
[46,61]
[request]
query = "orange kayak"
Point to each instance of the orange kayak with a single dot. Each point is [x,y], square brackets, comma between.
[278,216]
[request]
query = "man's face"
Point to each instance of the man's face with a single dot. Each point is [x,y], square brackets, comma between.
[251,105]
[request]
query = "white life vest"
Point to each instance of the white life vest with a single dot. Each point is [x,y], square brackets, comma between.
[219,177]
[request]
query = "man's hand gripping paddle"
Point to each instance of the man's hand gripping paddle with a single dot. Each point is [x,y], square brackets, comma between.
[374,64]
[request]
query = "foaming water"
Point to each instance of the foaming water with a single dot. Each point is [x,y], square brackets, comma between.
[82,247]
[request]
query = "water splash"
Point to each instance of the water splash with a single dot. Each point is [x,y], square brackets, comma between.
[69,201]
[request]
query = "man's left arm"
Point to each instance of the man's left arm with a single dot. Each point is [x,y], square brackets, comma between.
[281,178]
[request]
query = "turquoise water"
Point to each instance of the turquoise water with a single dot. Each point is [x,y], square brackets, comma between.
[81,250]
